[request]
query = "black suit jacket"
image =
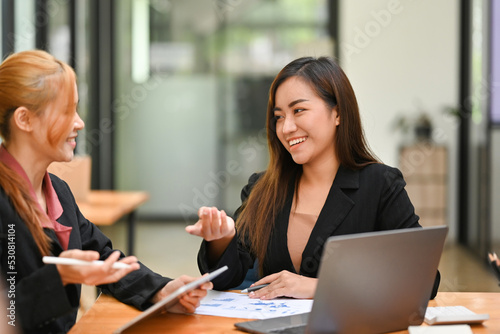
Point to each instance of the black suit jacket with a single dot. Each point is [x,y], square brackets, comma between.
[366,200]
[42,303]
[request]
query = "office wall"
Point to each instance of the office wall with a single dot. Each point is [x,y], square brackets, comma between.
[402,58]
[155,121]
[25,28]
[152,136]
[398,63]
[193,132]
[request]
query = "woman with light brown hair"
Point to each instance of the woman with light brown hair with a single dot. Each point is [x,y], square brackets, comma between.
[321,180]
[39,123]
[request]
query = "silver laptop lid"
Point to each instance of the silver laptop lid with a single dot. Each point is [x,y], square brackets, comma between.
[376,282]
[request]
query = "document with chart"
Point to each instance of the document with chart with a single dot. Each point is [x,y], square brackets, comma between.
[236,305]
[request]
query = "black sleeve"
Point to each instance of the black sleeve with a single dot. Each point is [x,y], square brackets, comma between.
[436,285]
[236,256]
[138,287]
[396,210]
[34,290]
[41,297]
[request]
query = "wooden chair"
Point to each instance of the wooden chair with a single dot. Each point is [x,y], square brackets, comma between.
[76,173]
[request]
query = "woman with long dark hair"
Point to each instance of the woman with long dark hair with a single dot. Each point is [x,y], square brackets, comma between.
[322,180]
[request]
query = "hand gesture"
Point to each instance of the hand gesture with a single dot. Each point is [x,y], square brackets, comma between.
[285,284]
[212,225]
[494,258]
[94,274]
[187,303]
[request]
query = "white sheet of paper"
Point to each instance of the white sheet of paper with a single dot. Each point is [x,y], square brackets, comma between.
[440,329]
[236,305]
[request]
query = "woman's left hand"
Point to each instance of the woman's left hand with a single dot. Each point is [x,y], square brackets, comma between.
[94,274]
[285,284]
[187,303]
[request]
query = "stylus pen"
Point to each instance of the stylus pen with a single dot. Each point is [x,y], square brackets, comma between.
[254,288]
[75,262]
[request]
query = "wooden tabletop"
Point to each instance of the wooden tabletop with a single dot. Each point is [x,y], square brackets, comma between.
[105,207]
[108,314]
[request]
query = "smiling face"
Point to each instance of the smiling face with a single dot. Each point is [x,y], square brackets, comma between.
[57,127]
[67,143]
[305,125]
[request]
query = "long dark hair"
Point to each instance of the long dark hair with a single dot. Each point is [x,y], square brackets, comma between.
[256,220]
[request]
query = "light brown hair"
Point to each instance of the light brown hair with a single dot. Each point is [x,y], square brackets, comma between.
[33,79]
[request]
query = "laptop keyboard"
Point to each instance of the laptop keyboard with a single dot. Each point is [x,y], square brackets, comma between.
[301,329]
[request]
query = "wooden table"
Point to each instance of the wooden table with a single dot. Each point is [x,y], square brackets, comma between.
[108,314]
[106,207]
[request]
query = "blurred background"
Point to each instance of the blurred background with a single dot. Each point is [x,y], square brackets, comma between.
[174,94]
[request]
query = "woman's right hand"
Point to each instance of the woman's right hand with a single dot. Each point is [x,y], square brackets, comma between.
[188,302]
[212,225]
[94,274]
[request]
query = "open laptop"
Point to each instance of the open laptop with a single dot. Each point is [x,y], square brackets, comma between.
[368,283]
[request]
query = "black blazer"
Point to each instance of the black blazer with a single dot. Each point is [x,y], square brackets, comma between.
[42,303]
[366,200]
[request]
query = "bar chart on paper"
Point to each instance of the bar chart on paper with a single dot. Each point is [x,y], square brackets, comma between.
[235,305]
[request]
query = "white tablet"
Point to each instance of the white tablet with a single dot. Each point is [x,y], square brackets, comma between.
[170,299]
